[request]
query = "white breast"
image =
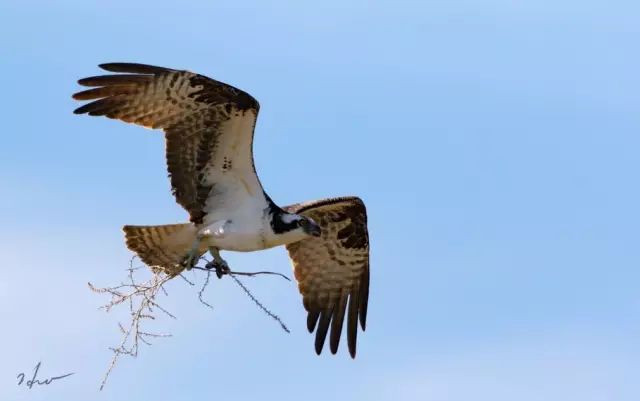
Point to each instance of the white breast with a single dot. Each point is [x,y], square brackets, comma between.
[238,227]
[235,207]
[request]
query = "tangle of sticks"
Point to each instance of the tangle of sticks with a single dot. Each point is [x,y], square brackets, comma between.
[141,298]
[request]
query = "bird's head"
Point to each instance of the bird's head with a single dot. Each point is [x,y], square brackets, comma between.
[296,227]
[305,224]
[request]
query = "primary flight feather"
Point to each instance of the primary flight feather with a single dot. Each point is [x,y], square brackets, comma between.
[209,128]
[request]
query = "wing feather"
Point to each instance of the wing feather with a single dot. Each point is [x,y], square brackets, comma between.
[112,80]
[312,320]
[134,68]
[336,321]
[106,91]
[205,122]
[333,270]
[352,321]
[323,328]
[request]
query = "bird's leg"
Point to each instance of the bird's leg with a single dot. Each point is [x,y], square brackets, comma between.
[217,263]
[216,229]
[191,259]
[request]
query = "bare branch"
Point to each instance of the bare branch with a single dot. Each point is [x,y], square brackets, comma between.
[143,304]
[191,283]
[250,274]
[141,298]
[204,286]
[264,309]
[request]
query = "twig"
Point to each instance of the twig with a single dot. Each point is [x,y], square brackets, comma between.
[250,274]
[142,301]
[233,275]
[191,283]
[141,298]
[264,309]
[204,286]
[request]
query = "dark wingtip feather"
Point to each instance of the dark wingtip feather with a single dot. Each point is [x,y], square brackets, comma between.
[97,93]
[119,79]
[77,96]
[323,327]
[312,320]
[133,68]
[80,110]
[94,108]
[336,322]
[352,346]
[352,321]
[364,298]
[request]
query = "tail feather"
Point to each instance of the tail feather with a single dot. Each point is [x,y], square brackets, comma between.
[162,247]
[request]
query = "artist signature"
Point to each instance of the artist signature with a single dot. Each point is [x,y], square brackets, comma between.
[30,383]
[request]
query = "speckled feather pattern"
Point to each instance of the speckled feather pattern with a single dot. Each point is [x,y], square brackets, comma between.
[162,247]
[194,111]
[333,271]
[209,130]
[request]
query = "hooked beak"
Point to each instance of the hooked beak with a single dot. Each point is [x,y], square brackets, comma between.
[314,229]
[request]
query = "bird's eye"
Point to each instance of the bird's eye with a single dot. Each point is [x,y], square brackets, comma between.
[301,223]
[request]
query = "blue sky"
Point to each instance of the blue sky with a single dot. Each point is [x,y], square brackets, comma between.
[495,144]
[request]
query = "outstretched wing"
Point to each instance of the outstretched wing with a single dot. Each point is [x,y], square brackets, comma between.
[333,269]
[208,127]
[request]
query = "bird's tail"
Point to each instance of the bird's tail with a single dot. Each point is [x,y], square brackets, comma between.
[162,247]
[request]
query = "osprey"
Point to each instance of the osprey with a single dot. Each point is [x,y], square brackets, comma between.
[208,128]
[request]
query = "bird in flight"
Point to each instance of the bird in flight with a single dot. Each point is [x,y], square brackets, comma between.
[208,127]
